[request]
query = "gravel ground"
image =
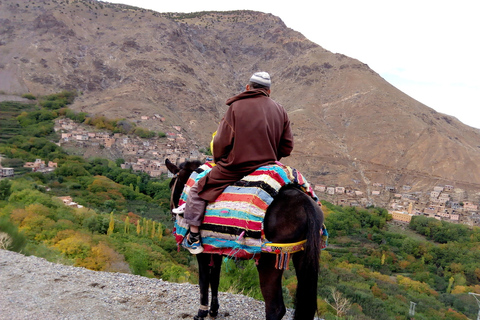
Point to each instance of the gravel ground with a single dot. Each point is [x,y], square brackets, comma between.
[33,288]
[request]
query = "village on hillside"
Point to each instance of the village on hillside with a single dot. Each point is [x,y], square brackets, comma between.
[443,202]
[145,155]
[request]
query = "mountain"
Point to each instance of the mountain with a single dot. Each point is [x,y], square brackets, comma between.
[352,128]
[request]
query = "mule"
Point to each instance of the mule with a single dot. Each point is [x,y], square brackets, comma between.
[293,216]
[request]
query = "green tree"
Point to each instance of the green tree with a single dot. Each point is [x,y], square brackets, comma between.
[450,284]
[153,230]
[144,133]
[72,169]
[5,189]
[29,196]
[29,96]
[139,228]
[111,225]
[127,225]
[16,240]
[160,232]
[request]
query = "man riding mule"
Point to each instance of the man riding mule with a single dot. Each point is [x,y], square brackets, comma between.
[252,137]
[254,132]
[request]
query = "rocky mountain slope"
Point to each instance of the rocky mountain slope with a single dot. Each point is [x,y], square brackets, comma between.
[352,128]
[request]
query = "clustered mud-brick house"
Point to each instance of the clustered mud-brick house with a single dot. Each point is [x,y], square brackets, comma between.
[146,155]
[6,172]
[40,166]
[442,202]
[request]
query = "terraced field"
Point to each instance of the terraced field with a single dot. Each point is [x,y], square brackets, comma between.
[9,126]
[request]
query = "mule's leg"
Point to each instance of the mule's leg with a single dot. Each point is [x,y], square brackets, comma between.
[204,283]
[271,286]
[215,267]
[306,296]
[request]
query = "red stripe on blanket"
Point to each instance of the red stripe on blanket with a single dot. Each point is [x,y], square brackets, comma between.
[190,182]
[249,198]
[274,175]
[233,222]
[300,179]
[209,164]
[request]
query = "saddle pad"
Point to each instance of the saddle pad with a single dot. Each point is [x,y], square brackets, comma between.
[233,224]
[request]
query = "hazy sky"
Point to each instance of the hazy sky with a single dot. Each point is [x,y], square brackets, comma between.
[429,49]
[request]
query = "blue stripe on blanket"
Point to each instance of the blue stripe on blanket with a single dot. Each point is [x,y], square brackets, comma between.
[221,243]
[236,214]
[260,193]
[180,230]
[278,170]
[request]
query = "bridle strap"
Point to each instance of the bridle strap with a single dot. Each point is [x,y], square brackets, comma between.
[172,204]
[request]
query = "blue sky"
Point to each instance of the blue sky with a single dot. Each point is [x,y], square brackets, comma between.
[426,48]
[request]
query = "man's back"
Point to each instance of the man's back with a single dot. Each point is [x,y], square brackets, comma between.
[255,131]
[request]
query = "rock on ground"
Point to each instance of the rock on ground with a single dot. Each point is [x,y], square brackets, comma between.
[33,288]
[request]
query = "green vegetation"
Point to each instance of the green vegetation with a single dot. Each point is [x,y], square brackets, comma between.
[9,126]
[380,271]
[29,96]
[58,100]
[105,234]
[371,269]
[40,224]
[115,125]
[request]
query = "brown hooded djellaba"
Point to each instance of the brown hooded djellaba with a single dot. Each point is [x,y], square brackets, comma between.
[255,131]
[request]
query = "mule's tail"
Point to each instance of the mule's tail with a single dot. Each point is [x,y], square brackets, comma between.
[308,265]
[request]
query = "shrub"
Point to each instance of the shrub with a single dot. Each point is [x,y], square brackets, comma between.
[5,189]
[29,96]
[14,239]
[144,133]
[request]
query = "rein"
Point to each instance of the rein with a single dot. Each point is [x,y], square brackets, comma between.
[172,204]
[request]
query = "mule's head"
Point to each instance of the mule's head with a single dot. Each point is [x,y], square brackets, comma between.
[181,174]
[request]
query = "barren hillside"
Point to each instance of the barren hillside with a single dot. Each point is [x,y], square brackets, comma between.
[352,128]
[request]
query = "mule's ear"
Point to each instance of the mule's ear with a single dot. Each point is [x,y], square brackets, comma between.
[192,165]
[171,167]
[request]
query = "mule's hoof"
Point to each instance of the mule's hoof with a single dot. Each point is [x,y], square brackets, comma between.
[213,312]
[201,315]
[214,307]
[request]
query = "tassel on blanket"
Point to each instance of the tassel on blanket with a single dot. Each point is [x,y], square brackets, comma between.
[282,260]
[225,261]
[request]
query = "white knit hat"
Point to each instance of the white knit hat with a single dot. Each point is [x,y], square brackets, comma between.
[262,78]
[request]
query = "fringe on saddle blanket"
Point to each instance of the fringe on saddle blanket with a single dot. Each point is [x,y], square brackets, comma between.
[233,224]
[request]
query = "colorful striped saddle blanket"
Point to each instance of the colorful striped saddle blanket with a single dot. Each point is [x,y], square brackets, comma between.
[233,224]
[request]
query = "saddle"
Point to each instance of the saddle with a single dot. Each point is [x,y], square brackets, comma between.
[233,223]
